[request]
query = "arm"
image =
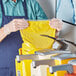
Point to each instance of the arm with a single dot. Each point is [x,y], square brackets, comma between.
[13,26]
[2,34]
[40,15]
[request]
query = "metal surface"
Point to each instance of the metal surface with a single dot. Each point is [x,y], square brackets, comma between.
[50,62]
[66,67]
[64,56]
[33,57]
[27,57]
[41,55]
[49,51]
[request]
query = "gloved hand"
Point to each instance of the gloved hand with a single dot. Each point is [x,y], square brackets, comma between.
[56,23]
[15,25]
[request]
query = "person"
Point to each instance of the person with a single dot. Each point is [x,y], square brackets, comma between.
[66,13]
[13,17]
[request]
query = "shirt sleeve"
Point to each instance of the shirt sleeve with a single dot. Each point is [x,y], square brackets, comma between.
[0,16]
[40,14]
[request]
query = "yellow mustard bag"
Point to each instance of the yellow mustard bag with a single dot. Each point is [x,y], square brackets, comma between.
[32,41]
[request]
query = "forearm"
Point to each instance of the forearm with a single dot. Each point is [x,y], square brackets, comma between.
[2,34]
[13,26]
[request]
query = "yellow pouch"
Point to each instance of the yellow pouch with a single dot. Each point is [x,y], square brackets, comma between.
[32,41]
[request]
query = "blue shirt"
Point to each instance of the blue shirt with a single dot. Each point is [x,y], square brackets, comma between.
[12,8]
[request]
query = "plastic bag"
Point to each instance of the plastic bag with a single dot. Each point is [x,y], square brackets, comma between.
[32,41]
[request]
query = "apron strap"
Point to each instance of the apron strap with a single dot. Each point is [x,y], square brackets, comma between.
[24,5]
[1,3]
[25,9]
